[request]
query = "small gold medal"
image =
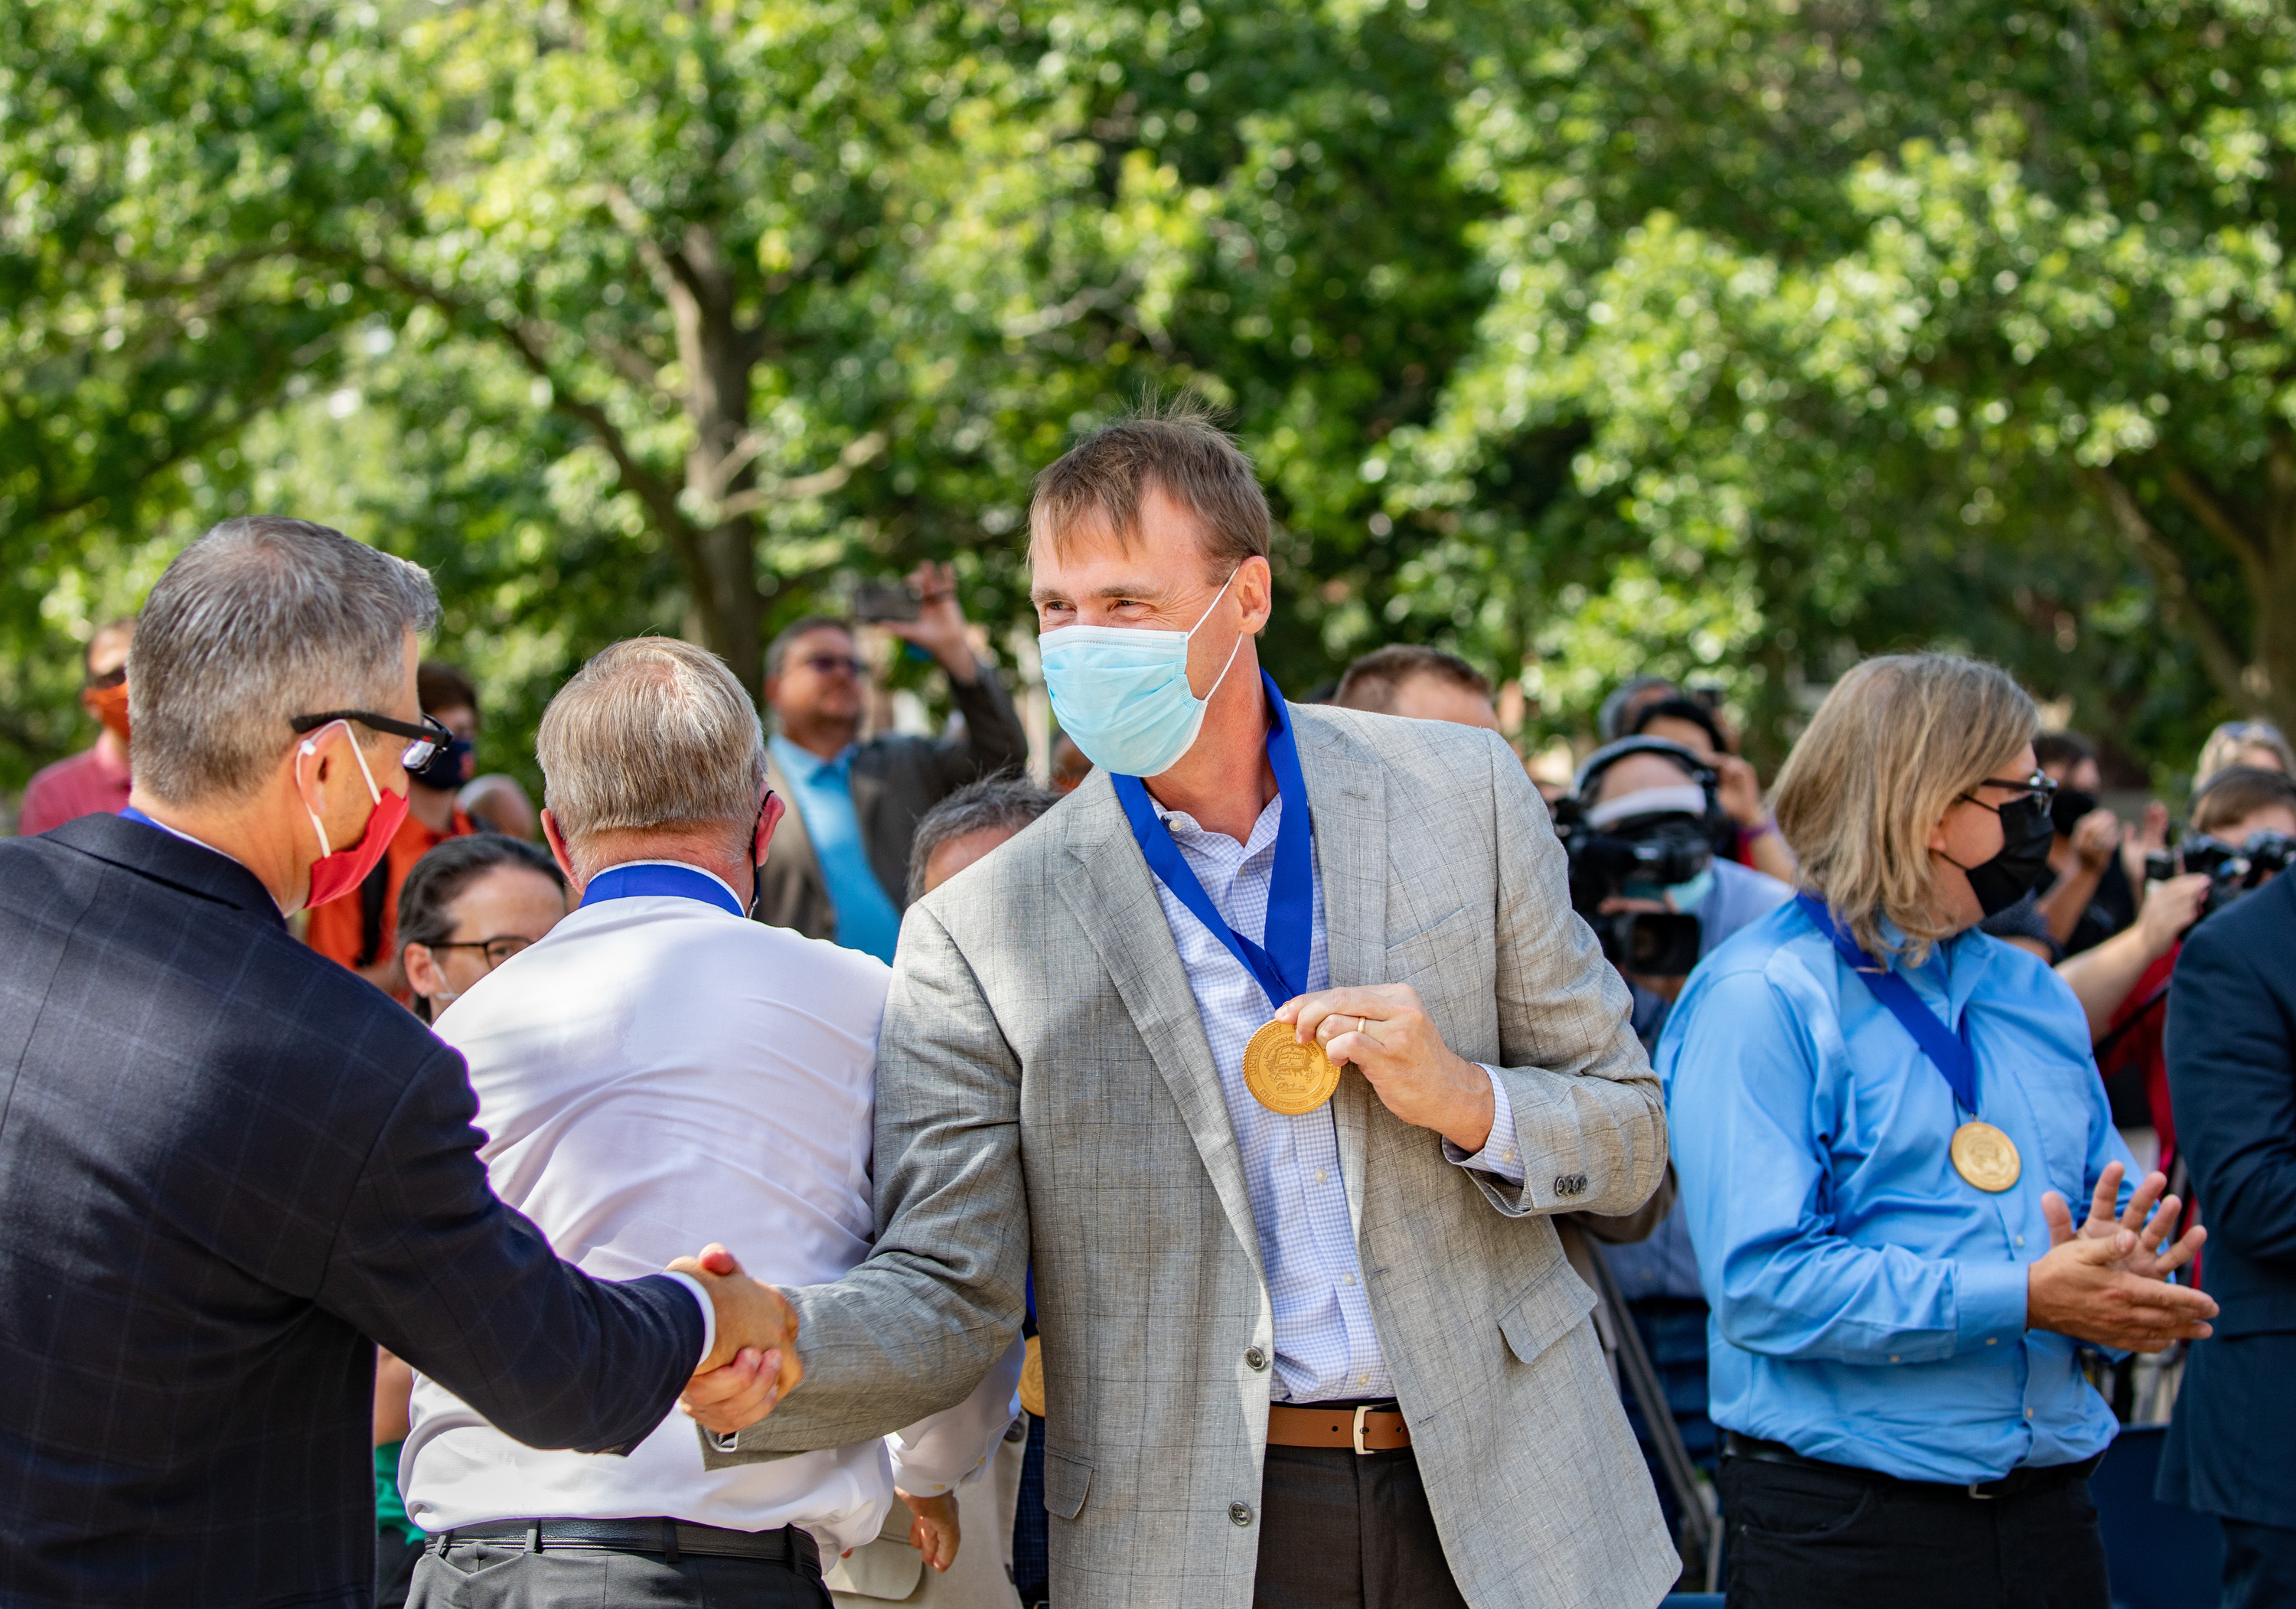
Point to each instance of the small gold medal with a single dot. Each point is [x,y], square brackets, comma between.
[1032,1377]
[1986,1157]
[1286,1076]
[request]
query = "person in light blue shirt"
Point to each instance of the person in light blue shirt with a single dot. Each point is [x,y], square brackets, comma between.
[823,792]
[1878,1116]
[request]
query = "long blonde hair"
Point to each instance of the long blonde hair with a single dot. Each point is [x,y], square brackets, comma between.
[1896,743]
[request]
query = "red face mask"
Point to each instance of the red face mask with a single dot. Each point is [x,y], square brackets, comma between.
[337,871]
[110,705]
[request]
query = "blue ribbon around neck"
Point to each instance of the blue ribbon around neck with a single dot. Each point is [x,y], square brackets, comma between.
[658,877]
[1282,965]
[1947,1051]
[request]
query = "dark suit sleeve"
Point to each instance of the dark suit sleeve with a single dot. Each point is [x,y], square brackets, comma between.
[992,739]
[2232,1081]
[431,1263]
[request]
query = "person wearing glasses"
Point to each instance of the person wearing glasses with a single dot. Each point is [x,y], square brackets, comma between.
[96,777]
[842,869]
[1879,1117]
[360,931]
[222,1197]
[469,905]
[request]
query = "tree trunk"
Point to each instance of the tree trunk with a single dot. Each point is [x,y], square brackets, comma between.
[715,354]
[2272,666]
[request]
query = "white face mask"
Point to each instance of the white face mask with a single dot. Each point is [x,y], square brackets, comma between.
[1122,693]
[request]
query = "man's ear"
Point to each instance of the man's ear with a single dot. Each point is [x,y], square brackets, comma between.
[769,817]
[557,841]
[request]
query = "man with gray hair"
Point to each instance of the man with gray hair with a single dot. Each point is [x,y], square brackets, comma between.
[220,1200]
[655,1068]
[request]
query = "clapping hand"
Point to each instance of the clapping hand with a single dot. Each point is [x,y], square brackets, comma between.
[2104,1284]
[2146,1259]
[754,1362]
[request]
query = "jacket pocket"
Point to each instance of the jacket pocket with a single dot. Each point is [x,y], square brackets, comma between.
[1549,1310]
[1067,1478]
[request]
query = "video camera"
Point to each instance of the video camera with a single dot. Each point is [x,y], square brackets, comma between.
[2234,870]
[1639,856]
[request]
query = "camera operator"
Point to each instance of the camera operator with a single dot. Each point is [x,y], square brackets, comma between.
[1646,793]
[2085,894]
[1744,832]
[2232,1075]
[1640,828]
[2243,833]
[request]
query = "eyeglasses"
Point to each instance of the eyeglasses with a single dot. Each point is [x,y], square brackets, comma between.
[829,664]
[110,679]
[431,737]
[2040,783]
[497,950]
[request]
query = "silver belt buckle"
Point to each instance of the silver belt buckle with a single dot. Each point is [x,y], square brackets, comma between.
[1362,1414]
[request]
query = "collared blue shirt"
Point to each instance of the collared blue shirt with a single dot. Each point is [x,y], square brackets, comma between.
[1326,1346]
[866,918]
[1868,1303]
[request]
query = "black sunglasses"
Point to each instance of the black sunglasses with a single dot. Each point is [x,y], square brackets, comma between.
[431,737]
[2038,783]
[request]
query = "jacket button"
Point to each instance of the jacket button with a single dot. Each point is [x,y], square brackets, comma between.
[1256,1358]
[1240,1512]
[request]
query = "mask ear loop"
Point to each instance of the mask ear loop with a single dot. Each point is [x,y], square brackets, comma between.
[1240,635]
[308,747]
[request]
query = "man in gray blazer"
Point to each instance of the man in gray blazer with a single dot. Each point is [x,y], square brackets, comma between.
[1331,1359]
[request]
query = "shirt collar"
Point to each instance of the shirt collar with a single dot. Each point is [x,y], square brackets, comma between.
[132,814]
[805,766]
[1180,824]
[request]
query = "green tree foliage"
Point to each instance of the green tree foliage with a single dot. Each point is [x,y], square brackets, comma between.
[1736,339]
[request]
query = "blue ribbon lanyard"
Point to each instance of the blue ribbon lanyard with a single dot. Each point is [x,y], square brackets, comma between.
[1281,966]
[1947,1052]
[657,877]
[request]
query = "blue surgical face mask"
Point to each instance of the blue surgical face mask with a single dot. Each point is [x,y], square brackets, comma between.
[1122,693]
[1688,897]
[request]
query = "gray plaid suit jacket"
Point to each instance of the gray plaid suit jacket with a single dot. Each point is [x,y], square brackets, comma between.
[1045,1095]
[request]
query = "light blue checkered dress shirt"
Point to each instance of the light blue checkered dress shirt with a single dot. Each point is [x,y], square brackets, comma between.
[1325,1347]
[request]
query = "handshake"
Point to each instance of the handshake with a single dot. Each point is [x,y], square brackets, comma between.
[753,1363]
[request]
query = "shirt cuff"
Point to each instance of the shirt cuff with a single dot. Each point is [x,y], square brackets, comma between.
[708,1314]
[1500,1154]
[1990,1304]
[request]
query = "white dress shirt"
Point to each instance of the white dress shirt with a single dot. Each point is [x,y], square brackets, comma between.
[1325,1347]
[656,1074]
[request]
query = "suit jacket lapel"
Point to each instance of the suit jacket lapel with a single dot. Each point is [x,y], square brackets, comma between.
[1108,888]
[1347,792]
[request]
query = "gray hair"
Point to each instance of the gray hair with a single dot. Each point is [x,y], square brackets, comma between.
[261,620]
[1003,802]
[652,733]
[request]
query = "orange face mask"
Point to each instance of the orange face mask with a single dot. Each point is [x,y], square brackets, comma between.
[109,706]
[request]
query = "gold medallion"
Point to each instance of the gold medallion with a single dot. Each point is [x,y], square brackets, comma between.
[1032,1377]
[1986,1157]
[1286,1076]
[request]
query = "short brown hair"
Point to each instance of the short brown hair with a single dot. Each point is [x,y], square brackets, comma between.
[2237,793]
[1174,448]
[439,685]
[1896,744]
[1373,682]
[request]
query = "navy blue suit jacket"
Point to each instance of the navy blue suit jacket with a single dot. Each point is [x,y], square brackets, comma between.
[227,1167]
[2232,1079]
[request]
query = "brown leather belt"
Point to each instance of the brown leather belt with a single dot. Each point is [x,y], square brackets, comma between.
[1367,1429]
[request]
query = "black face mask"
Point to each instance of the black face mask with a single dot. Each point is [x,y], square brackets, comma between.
[2010,876]
[445,770]
[2067,808]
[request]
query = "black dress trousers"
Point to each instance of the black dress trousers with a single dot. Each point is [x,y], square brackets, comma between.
[1802,1537]
[1343,1530]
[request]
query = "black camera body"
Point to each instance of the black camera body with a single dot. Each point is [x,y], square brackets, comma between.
[2234,870]
[1658,849]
